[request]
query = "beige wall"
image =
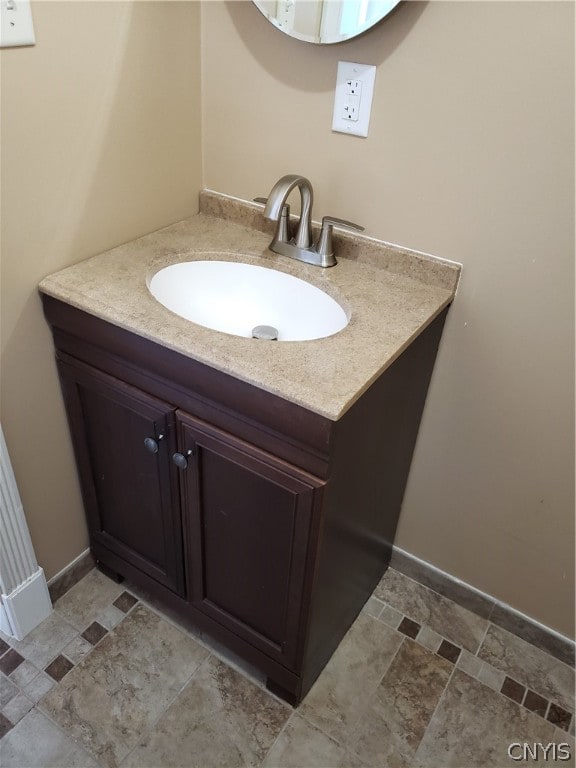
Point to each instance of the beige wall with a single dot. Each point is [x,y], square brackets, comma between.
[100,144]
[470,157]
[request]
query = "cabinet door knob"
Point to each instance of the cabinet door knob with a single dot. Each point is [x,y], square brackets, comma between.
[181,459]
[151,444]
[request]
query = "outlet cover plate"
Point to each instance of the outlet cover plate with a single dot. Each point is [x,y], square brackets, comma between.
[353,98]
[16,27]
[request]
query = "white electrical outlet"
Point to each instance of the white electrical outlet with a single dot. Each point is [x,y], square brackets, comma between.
[16,27]
[353,98]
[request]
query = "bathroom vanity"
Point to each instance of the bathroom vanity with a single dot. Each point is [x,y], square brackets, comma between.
[253,486]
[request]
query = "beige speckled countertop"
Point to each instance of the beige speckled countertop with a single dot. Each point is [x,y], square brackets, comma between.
[389,293]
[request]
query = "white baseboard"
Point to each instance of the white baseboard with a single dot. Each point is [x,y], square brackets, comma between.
[5,627]
[26,606]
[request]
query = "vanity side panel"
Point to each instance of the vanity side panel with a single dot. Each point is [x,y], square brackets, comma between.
[370,460]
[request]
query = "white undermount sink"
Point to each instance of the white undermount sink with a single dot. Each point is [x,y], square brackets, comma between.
[235,298]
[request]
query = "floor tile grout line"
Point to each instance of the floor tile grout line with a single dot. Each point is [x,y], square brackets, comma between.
[169,620]
[510,675]
[333,739]
[86,655]
[373,693]
[67,735]
[544,717]
[292,714]
[41,669]
[37,705]
[201,642]
[80,743]
[382,606]
[425,624]
[483,598]
[540,648]
[520,704]
[532,645]
[439,594]
[207,647]
[485,618]
[488,625]
[442,695]
[487,663]
[152,725]
[494,605]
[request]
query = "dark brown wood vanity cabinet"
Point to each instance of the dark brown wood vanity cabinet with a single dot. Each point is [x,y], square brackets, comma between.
[262,523]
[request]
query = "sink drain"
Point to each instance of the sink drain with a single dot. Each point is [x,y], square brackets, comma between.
[265,332]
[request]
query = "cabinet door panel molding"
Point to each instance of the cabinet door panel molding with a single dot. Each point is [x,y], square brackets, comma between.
[249,519]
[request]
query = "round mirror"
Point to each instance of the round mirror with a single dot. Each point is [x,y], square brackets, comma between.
[324,21]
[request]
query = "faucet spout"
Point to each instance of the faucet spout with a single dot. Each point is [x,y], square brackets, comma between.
[277,199]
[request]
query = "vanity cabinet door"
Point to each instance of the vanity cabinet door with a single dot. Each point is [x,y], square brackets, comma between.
[248,520]
[123,440]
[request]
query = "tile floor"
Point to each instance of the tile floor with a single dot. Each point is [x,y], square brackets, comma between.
[110,680]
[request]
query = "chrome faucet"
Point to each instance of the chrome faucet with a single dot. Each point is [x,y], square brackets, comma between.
[301,246]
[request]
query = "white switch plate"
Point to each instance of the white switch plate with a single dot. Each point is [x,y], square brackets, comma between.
[16,27]
[353,98]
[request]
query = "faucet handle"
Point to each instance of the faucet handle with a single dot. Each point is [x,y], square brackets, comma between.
[325,247]
[283,228]
[264,200]
[341,223]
